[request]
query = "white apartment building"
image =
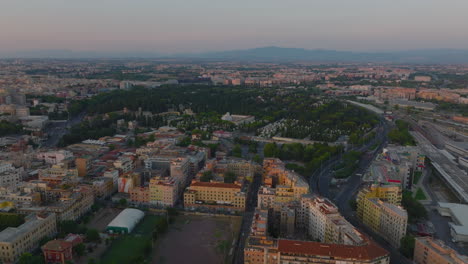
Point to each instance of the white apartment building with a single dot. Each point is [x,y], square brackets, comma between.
[9,175]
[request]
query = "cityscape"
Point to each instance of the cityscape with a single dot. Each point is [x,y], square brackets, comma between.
[204,152]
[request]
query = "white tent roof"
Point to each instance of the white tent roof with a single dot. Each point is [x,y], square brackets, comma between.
[128,218]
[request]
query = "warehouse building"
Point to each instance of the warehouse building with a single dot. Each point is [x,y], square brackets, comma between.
[125,221]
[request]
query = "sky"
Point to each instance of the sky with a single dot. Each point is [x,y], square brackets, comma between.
[189,26]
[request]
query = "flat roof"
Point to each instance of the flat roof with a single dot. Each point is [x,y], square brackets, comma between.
[10,234]
[369,251]
[459,214]
[216,185]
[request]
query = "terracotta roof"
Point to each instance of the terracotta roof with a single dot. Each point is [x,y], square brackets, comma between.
[216,185]
[57,245]
[367,252]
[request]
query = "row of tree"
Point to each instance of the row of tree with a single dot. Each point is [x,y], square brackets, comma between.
[8,128]
[313,155]
[401,134]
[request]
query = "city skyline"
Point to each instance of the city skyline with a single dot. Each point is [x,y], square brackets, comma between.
[207,25]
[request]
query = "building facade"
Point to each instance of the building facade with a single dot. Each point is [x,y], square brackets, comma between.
[14,241]
[432,251]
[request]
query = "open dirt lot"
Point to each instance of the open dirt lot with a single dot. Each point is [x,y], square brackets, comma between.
[198,239]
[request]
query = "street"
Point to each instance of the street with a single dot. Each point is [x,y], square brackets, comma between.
[251,203]
[57,129]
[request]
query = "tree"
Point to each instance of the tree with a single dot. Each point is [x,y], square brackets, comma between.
[28,258]
[271,150]
[172,211]
[414,208]
[44,240]
[229,177]
[148,247]
[123,202]
[92,235]
[257,159]
[68,226]
[79,249]
[7,128]
[206,176]
[185,142]
[407,246]
[10,220]
[161,225]
[237,151]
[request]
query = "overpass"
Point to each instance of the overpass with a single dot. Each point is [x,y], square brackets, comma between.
[456,178]
[368,107]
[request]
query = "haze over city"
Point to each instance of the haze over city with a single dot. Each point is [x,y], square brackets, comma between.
[168,27]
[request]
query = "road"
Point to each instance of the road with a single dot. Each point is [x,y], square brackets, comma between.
[57,129]
[320,182]
[251,203]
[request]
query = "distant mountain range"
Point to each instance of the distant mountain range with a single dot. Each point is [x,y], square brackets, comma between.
[271,54]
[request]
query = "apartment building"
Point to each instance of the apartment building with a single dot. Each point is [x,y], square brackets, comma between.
[114,175]
[57,174]
[140,195]
[321,220]
[54,157]
[280,184]
[164,191]
[428,250]
[388,193]
[69,205]
[124,164]
[103,187]
[128,181]
[20,198]
[388,220]
[260,248]
[14,241]
[179,170]
[9,175]
[83,164]
[292,251]
[215,195]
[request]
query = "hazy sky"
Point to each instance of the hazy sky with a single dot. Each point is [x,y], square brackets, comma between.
[171,26]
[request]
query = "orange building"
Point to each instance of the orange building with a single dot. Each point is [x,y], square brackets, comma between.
[432,251]
[82,165]
[215,195]
[140,194]
[57,251]
[264,250]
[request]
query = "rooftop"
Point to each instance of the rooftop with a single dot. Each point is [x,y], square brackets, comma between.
[57,245]
[12,233]
[216,185]
[367,252]
[459,214]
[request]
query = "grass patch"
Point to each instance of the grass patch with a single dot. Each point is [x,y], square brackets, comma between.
[420,195]
[132,247]
[417,176]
